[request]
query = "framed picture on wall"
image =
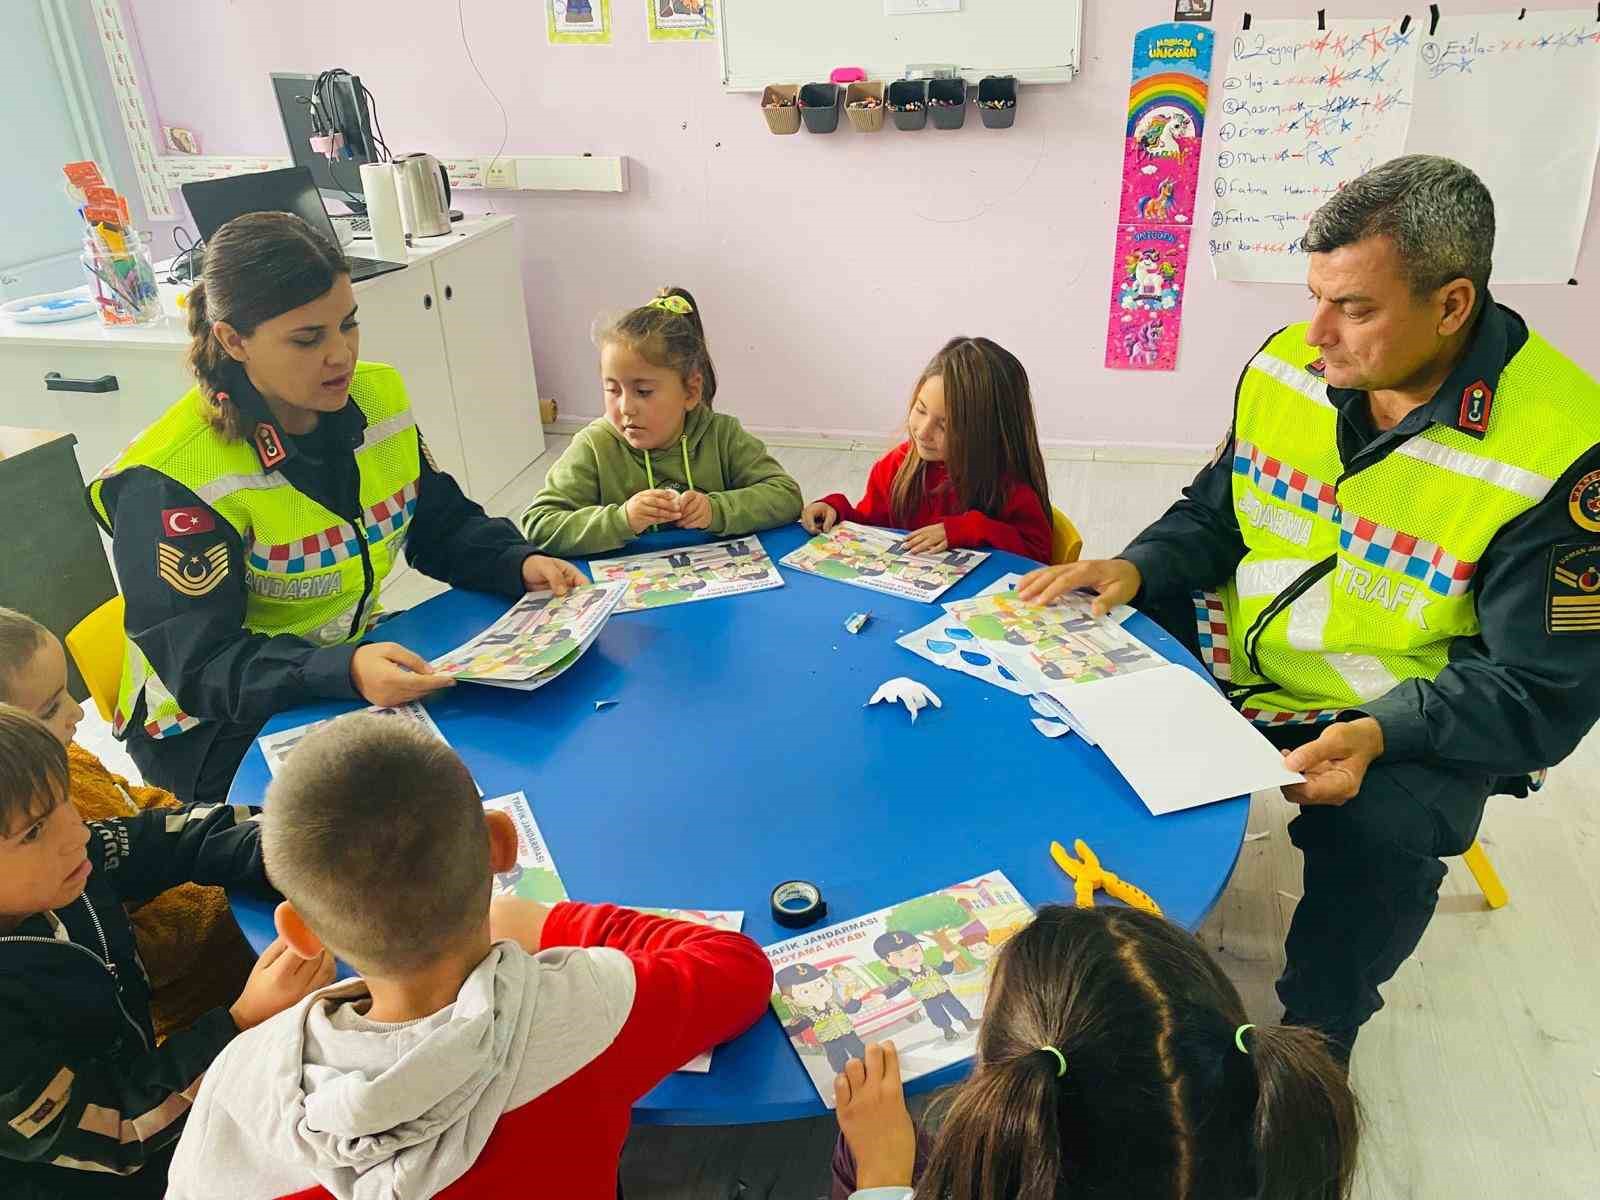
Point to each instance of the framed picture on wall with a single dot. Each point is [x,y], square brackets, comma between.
[681,20]
[578,22]
[1192,10]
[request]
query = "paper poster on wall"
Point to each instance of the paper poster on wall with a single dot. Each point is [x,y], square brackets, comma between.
[681,20]
[1147,280]
[1303,111]
[1478,78]
[578,22]
[1166,121]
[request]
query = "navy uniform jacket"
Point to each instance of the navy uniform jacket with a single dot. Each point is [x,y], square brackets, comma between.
[1514,699]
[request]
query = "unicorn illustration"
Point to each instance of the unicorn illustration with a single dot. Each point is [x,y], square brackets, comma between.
[1159,138]
[1158,207]
[1142,346]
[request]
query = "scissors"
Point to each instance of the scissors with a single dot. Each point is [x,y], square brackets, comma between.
[1088,876]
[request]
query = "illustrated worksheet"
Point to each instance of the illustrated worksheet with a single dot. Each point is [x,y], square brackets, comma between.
[915,974]
[539,637]
[727,568]
[877,558]
[275,747]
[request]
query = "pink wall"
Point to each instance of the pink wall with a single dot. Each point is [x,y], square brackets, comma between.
[829,268]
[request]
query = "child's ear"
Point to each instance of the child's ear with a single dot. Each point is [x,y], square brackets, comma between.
[502,841]
[694,387]
[292,928]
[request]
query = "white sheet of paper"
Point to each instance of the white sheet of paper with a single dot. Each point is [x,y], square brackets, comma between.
[1176,741]
[1518,101]
[1051,729]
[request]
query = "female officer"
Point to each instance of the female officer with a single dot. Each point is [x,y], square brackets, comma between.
[253,524]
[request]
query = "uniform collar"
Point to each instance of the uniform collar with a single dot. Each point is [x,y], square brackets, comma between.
[273,447]
[1466,397]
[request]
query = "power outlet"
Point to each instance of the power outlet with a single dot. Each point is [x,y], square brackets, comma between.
[500,173]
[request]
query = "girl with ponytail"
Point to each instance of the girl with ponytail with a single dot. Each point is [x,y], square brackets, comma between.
[1114,1061]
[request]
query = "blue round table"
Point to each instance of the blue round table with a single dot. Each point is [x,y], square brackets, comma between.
[740,753]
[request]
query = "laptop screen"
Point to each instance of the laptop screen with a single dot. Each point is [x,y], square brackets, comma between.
[214,202]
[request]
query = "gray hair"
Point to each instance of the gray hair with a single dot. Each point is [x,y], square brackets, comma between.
[1435,210]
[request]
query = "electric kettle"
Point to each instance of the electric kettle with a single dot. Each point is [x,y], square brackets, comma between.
[424,194]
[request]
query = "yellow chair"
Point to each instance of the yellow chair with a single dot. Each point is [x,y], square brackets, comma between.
[1494,892]
[1066,543]
[96,644]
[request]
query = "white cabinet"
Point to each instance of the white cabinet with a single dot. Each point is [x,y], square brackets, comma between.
[454,323]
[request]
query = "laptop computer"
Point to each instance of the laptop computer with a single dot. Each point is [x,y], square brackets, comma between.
[214,202]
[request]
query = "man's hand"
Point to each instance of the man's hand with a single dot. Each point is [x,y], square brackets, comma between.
[1113,580]
[694,511]
[1335,764]
[387,674]
[539,572]
[280,979]
[873,1118]
[930,539]
[659,506]
[818,517]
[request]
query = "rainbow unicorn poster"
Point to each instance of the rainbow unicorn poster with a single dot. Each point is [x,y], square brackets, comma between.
[1160,168]
[1166,119]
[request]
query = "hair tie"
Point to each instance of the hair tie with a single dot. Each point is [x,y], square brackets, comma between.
[1238,1038]
[672,304]
[1060,1058]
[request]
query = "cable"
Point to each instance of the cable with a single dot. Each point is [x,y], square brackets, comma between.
[178,271]
[377,126]
[505,117]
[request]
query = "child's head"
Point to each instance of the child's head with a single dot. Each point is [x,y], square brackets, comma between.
[972,411]
[656,367]
[375,834]
[33,674]
[1156,1100]
[42,838]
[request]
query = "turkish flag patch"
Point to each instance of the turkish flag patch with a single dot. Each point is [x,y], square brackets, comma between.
[181,522]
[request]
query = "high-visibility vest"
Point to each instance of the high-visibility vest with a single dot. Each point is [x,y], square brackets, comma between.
[1351,584]
[309,571]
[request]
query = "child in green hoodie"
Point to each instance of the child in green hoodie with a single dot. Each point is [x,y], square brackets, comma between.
[659,456]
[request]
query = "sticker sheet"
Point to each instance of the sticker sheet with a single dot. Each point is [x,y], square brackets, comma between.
[276,747]
[539,637]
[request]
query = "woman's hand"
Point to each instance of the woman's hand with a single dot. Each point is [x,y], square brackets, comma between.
[818,517]
[1114,581]
[874,1120]
[655,507]
[387,674]
[539,572]
[930,539]
[694,510]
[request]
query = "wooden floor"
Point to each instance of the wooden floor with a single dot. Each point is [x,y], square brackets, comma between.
[1481,1078]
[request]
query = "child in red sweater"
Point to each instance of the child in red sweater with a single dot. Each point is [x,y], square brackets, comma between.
[970,474]
[489,1049]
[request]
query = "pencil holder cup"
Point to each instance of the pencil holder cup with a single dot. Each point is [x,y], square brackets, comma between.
[122,281]
[947,101]
[781,107]
[908,103]
[863,104]
[997,101]
[819,106]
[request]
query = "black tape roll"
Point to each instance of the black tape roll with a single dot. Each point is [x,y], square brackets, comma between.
[797,903]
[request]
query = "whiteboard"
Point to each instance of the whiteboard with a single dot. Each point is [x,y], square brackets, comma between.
[801,41]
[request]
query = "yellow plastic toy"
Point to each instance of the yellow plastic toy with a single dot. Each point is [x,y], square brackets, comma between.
[96,644]
[1066,543]
[1088,876]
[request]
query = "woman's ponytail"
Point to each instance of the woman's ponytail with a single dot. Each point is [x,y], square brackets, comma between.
[208,363]
[1000,1139]
[1307,1120]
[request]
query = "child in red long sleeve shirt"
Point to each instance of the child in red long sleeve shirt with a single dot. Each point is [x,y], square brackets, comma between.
[970,473]
[490,1048]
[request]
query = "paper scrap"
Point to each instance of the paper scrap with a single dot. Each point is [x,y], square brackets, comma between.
[1051,729]
[854,622]
[915,696]
[602,705]
[1258,837]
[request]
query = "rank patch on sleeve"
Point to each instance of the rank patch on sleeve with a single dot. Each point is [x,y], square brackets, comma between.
[192,573]
[1573,594]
